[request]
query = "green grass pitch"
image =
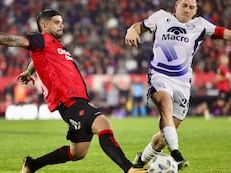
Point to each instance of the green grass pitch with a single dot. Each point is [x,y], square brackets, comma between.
[206,144]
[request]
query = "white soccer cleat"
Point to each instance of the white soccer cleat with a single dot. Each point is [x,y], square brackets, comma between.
[138,163]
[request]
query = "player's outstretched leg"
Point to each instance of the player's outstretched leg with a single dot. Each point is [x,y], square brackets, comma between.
[102,127]
[60,155]
[110,146]
[153,148]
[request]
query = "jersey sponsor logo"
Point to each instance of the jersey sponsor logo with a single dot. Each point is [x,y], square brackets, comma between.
[177,30]
[66,53]
[175,33]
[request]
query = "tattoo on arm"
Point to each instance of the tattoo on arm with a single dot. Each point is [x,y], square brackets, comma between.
[13,40]
[30,68]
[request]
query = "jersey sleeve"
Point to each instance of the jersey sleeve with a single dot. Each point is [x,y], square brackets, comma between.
[151,22]
[209,27]
[36,41]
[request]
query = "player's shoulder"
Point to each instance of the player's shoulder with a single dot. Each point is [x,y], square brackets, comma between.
[32,34]
[200,20]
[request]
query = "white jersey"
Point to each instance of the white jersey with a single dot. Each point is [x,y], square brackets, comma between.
[176,43]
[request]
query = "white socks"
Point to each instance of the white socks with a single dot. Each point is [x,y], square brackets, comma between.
[171,140]
[170,137]
[148,153]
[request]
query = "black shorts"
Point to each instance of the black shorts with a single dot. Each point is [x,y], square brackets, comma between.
[79,118]
[138,99]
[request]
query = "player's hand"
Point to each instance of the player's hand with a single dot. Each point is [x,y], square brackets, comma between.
[132,38]
[25,77]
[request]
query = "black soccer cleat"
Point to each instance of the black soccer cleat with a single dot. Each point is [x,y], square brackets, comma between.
[138,163]
[27,165]
[181,162]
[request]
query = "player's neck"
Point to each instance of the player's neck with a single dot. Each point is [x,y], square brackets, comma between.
[174,14]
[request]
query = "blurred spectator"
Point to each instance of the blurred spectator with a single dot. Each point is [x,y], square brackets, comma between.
[112,98]
[20,95]
[222,83]
[138,94]
[222,78]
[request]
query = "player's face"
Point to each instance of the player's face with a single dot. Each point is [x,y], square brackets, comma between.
[55,26]
[185,10]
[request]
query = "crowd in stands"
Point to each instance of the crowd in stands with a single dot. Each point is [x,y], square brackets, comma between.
[94,33]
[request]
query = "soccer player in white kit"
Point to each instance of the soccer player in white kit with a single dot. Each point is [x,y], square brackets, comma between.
[178,36]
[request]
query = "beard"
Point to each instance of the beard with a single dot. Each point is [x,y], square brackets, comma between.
[57,34]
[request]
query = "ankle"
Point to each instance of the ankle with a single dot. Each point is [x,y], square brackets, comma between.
[176,154]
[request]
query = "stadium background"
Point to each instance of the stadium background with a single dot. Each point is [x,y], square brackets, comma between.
[115,74]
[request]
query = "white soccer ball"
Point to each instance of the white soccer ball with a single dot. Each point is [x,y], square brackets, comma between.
[162,163]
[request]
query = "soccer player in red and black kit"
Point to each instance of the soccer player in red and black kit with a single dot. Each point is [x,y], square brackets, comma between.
[65,91]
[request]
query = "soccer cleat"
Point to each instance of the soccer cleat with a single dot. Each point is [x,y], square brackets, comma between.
[181,162]
[26,167]
[138,163]
[137,170]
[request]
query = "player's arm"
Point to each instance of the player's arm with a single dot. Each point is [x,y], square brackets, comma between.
[227,34]
[132,37]
[30,68]
[27,76]
[221,33]
[13,40]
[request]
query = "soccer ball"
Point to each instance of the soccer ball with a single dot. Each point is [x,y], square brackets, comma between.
[162,163]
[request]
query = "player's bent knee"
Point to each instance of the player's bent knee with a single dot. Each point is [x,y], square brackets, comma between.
[79,150]
[77,156]
[100,123]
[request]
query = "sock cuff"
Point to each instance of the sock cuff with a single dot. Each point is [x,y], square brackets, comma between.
[69,155]
[104,132]
[152,149]
[168,127]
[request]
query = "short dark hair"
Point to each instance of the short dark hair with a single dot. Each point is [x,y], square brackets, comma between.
[46,14]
